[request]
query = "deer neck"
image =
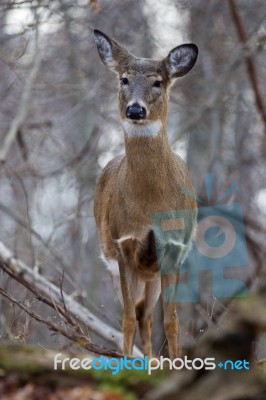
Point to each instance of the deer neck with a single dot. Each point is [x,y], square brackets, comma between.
[148,159]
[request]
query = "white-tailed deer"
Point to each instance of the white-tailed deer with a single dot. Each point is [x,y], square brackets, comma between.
[149,179]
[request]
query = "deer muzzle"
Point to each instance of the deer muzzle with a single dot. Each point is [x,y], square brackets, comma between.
[135,112]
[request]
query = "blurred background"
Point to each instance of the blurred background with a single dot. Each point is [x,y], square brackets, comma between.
[59,107]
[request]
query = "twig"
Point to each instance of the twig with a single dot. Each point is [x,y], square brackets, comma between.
[253,45]
[36,282]
[251,70]
[32,231]
[259,254]
[82,340]
[22,109]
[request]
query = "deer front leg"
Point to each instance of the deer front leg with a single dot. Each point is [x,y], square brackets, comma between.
[144,311]
[128,280]
[170,315]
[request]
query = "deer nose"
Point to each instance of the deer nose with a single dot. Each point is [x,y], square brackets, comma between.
[135,111]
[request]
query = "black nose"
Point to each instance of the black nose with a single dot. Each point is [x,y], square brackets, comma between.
[135,112]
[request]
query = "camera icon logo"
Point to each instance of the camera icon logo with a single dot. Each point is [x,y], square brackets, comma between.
[219,246]
[216,236]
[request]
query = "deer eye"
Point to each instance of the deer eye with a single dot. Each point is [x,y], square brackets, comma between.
[124,81]
[158,84]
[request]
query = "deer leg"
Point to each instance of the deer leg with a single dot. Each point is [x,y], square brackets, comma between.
[170,316]
[128,280]
[144,311]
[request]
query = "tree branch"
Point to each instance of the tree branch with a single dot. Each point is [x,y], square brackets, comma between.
[61,265]
[77,337]
[35,282]
[255,43]
[22,109]
[251,70]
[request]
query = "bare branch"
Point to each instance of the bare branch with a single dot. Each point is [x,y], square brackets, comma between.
[80,339]
[30,278]
[251,47]
[251,70]
[37,236]
[22,109]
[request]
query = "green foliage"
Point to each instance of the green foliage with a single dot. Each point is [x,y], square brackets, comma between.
[127,382]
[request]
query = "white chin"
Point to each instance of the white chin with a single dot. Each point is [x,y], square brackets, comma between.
[142,128]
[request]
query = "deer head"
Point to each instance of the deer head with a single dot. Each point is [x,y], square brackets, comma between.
[144,83]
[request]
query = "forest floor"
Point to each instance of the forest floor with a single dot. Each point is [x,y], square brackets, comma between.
[27,373]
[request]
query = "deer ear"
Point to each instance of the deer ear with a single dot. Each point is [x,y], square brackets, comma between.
[180,60]
[111,52]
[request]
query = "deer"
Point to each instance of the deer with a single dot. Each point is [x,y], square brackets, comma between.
[150,178]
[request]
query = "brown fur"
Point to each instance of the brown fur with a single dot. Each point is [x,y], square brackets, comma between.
[147,180]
